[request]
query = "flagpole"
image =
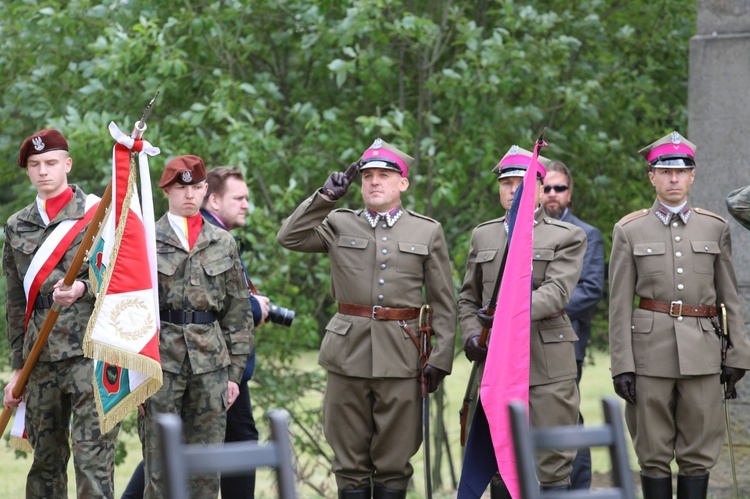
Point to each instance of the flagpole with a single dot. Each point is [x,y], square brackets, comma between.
[49,321]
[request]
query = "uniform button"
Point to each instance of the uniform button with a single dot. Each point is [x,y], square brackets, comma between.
[679,270]
[678,254]
[680,287]
[354,243]
[486,257]
[384,251]
[383,266]
[679,319]
[632,328]
[413,248]
[675,224]
[380,297]
[381,281]
[561,336]
[677,238]
[705,248]
[384,239]
[385,226]
[649,250]
[537,256]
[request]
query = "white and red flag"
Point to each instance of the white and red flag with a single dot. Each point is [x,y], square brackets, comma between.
[123,332]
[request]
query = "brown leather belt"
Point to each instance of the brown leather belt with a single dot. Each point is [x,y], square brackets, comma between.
[556,314]
[677,308]
[379,313]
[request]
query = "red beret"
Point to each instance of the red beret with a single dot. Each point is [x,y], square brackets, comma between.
[184,170]
[42,141]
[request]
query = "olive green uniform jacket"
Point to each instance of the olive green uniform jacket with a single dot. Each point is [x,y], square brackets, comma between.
[208,278]
[557,258]
[388,267]
[691,262]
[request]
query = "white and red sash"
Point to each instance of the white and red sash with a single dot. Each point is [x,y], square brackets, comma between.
[51,252]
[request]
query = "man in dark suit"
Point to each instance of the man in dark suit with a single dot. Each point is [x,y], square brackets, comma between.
[558,200]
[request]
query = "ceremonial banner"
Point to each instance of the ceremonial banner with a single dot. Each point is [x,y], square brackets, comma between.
[506,370]
[123,332]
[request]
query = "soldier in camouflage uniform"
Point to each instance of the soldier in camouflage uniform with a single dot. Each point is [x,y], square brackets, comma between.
[206,324]
[383,258]
[61,382]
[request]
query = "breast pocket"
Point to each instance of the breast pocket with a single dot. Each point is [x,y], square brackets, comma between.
[213,275]
[542,257]
[486,262]
[649,258]
[704,256]
[350,252]
[411,257]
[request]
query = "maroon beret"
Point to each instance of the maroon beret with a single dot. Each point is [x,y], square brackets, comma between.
[42,141]
[184,170]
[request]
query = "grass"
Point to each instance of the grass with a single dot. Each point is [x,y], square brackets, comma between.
[595,384]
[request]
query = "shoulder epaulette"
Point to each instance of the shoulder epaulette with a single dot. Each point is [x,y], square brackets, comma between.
[709,213]
[493,221]
[347,210]
[558,223]
[425,217]
[634,216]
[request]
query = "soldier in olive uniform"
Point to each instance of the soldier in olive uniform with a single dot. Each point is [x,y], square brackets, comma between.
[559,248]
[383,258]
[36,257]
[206,324]
[666,356]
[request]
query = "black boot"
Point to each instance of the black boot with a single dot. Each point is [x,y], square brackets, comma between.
[386,493]
[656,488]
[556,487]
[692,487]
[498,490]
[355,493]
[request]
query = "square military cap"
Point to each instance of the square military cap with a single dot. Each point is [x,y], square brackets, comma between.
[670,151]
[42,141]
[516,161]
[183,170]
[383,155]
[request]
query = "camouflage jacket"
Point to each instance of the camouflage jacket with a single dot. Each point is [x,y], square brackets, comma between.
[208,278]
[25,232]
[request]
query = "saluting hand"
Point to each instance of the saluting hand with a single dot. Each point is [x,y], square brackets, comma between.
[337,183]
[625,386]
[730,376]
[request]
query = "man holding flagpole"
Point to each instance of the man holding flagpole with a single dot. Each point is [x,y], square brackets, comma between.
[558,250]
[206,324]
[40,243]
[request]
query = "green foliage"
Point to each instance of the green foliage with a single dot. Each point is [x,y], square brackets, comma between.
[290,90]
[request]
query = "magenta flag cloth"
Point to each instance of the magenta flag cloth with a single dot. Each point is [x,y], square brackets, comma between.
[506,372]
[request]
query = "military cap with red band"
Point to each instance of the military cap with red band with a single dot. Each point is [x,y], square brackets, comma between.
[42,141]
[670,151]
[516,161]
[383,155]
[183,170]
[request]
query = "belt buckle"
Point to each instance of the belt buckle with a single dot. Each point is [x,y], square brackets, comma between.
[188,317]
[671,308]
[375,311]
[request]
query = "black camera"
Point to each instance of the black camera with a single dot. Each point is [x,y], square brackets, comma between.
[280,315]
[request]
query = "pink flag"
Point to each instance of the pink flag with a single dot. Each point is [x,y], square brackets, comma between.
[506,372]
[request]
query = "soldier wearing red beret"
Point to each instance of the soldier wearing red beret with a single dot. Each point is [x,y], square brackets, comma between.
[36,257]
[206,324]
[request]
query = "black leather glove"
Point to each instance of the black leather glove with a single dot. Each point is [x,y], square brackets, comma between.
[337,183]
[485,320]
[625,386]
[473,351]
[434,376]
[730,376]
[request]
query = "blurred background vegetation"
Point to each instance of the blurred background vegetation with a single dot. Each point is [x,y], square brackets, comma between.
[290,90]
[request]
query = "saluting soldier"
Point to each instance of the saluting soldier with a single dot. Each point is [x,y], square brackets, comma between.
[206,324]
[666,355]
[383,258]
[41,242]
[559,248]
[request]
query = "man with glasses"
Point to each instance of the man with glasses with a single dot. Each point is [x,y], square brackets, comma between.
[558,203]
[666,356]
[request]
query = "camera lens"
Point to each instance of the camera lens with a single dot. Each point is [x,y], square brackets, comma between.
[280,315]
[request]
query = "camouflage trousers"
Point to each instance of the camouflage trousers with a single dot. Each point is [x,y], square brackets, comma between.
[201,402]
[55,391]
